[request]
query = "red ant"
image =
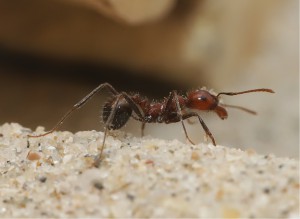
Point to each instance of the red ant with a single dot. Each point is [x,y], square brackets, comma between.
[174,108]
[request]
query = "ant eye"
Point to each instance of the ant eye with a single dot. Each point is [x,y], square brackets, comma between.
[202,98]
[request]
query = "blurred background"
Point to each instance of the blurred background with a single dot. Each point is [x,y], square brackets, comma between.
[52,53]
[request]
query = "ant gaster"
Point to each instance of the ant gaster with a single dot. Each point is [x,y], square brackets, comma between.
[174,108]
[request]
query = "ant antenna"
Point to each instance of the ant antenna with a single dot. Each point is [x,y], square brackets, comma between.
[240,108]
[243,92]
[247,91]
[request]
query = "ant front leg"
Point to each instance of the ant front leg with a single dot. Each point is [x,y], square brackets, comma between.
[192,114]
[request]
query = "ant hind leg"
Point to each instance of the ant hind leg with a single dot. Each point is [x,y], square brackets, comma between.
[98,158]
[77,106]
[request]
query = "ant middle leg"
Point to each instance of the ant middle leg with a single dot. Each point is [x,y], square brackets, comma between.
[169,108]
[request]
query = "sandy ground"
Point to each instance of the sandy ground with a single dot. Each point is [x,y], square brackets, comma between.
[53,176]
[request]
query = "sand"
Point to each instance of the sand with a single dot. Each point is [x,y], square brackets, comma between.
[54,176]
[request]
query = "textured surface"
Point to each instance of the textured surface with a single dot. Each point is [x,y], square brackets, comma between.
[53,176]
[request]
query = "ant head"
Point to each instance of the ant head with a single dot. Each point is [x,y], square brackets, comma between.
[204,100]
[121,113]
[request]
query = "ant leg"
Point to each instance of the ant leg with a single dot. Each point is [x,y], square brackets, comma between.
[139,112]
[186,134]
[143,128]
[191,122]
[192,114]
[172,96]
[106,128]
[98,157]
[143,123]
[78,106]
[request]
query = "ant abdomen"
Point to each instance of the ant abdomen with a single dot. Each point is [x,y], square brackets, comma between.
[120,116]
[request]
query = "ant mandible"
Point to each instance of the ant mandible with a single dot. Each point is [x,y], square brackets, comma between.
[174,108]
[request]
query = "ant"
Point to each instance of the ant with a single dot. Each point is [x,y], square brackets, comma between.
[174,108]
